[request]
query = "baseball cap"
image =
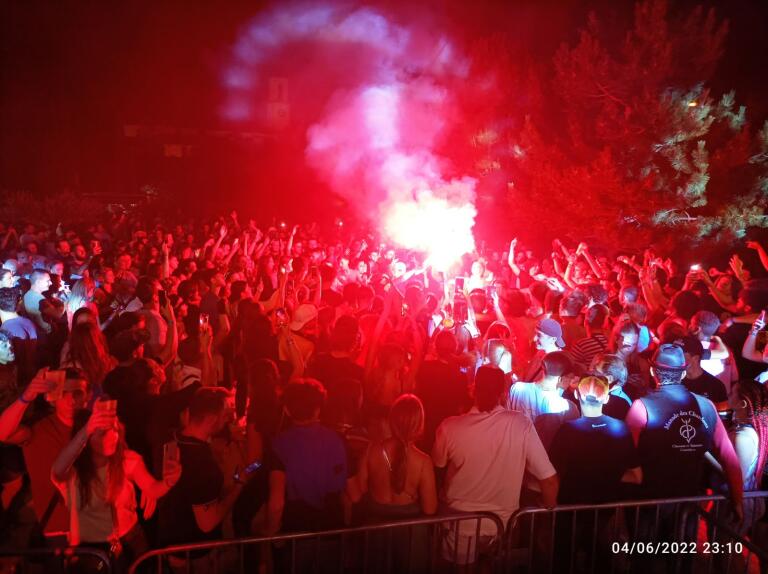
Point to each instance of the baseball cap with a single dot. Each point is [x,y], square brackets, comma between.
[304,314]
[593,388]
[692,346]
[553,329]
[669,356]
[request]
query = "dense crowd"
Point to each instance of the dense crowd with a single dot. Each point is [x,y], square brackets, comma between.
[165,383]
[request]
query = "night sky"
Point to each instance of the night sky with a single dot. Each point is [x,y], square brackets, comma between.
[73,73]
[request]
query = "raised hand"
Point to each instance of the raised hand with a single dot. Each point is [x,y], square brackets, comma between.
[737,265]
[37,386]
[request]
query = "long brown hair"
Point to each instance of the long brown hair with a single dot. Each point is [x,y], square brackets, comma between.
[86,470]
[88,350]
[406,419]
[756,397]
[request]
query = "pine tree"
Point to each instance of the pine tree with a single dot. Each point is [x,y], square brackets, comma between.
[636,148]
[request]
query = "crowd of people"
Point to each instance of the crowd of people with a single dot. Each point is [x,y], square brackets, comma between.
[165,383]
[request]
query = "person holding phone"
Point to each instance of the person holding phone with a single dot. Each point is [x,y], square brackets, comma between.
[96,475]
[194,509]
[42,441]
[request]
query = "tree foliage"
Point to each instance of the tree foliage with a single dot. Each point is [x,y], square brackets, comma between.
[629,143]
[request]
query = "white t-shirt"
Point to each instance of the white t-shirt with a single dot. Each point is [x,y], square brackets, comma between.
[533,401]
[723,369]
[486,454]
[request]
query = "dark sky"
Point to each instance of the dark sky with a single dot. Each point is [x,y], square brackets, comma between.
[72,73]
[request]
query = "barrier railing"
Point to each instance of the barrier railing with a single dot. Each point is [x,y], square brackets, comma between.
[631,536]
[434,544]
[694,534]
[54,560]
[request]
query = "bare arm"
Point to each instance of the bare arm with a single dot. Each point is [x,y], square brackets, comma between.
[62,466]
[633,476]
[168,353]
[209,516]
[149,484]
[749,351]
[10,419]
[373,346]
[511,259]
[760,251]
[276,502]
[596,269]
[207,368]
[549,488]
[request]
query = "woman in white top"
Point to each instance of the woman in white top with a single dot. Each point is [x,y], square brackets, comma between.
[96,474]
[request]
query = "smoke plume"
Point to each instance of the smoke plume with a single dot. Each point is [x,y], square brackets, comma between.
[388,101]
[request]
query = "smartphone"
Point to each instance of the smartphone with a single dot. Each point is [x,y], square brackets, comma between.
[282,316]
[460,311]
[459,284]
[696,267]
[247,471]
[163,296]
[204,319]
[108,406]
[170,453]
[56,380]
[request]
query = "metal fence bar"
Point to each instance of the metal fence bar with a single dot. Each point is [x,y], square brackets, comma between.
[668,518]
[732,534]
[385,528]
[60,554]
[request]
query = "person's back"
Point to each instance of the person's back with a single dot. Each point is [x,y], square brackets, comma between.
[673,444]
[398,477]
[674,429]
[315,461]
[441,387]
[486,452]
[542,401]
[592,453]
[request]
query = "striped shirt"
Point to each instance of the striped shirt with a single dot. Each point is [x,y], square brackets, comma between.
[585,350]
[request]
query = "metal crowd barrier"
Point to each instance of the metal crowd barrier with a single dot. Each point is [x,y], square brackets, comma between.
[697,534]
[54,560]
[452,543]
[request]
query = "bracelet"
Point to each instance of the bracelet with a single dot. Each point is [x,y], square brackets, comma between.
[23,400]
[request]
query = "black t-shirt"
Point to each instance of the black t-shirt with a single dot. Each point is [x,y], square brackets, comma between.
[616,408]
[591,455]
[255,493]
[707,386]
[443,390]
[201,483]
[734,338]
[329,370]
[264,410]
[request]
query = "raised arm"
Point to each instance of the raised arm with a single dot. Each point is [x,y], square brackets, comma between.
[760,251]
[583,250]
[373,346]
[62,466]
[748,351]
[10,419]
[168,353]
[511,259]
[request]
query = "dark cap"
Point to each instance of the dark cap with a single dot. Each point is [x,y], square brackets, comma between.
[669,356]
[692,346]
